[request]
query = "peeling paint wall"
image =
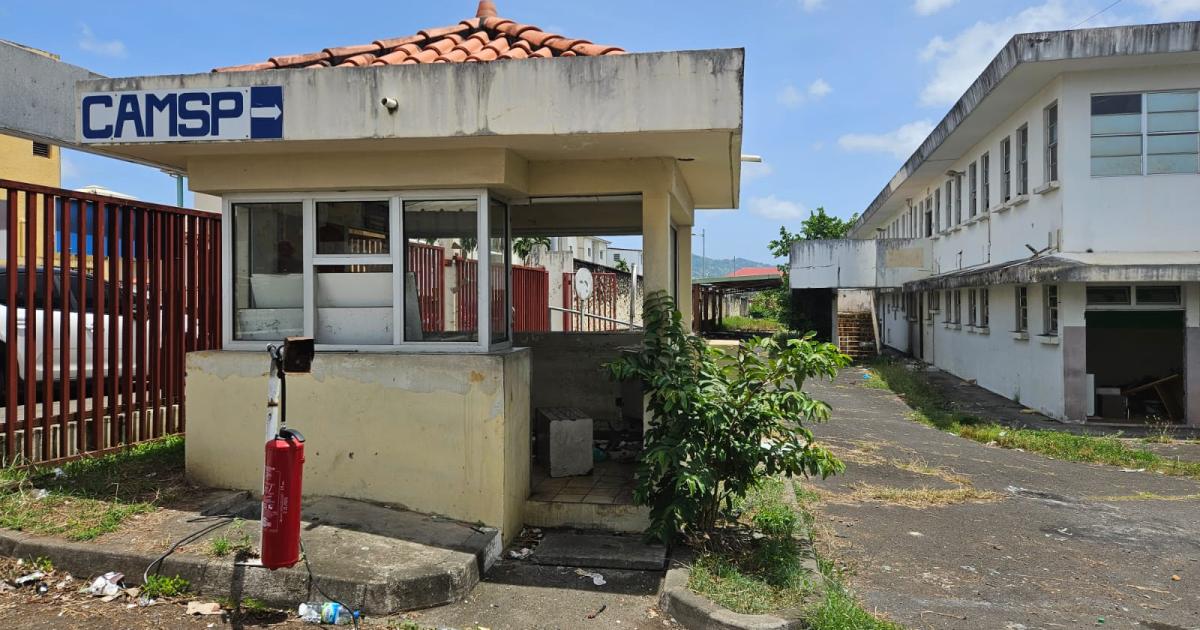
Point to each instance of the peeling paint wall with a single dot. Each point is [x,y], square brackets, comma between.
[444,434]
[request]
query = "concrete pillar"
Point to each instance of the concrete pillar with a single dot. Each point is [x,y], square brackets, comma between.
[656,241]
[683,260]
[1074,356]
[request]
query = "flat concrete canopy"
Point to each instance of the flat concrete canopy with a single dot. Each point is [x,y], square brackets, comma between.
[1149,267]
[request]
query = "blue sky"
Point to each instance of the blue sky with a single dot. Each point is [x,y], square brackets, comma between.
[838,92]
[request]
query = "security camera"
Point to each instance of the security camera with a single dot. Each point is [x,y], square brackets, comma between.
[390,103]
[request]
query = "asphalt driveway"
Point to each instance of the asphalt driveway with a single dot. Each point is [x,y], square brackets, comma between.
[941,532]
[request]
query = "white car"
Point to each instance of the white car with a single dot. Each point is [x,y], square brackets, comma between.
[55,324]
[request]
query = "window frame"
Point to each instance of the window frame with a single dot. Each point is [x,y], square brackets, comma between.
[1023,160]
[1050,312]
[1021,305]
[1050,136]
[1006,169]
[973,190]
[985,182]
[395,258]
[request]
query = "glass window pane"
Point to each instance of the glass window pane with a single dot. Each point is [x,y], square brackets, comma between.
[1131,123]
[1178,163]
[441,287]
[1109,166]
[1170,101]
[1117,104]
[268,271]
[498,249]
[1159,295]
[1174,121]
[1112,146]
[1172,143]
[352,227]
[354,304]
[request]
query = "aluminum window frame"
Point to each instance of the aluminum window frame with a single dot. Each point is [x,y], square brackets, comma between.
[395,258]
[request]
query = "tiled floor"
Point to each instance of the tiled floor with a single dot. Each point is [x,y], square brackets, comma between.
[610,483]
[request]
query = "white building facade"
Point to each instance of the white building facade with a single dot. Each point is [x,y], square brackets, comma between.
[1044,240]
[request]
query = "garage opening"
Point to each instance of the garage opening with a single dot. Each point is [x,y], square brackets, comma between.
[1135,360]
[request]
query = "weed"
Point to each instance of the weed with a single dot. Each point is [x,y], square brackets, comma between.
[162,586]
[931,408]
[247,605]
[237,541]
[839,610]
[43,564]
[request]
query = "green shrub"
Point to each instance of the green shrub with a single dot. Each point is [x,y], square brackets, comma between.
[163,586]
[776,521]
[721,423]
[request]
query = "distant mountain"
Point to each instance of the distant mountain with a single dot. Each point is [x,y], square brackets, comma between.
[713,267]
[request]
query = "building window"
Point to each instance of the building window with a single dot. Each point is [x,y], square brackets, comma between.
[1023,160]
[1117,135]
[929,216]
[41,149]
[937,211]
[1050,310]
[1022,315]
[1005,170]
[935,301]
[946,314]
[958,180]
[972,189]
[984,316]
[370,271]
[949,203]
[1109,296]
[1160,295]
[985,182]
[1171,127]
[1051,157]
[972,308]
[958,306]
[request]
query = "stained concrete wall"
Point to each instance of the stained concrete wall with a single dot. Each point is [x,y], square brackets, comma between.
[567,370]
[443,434]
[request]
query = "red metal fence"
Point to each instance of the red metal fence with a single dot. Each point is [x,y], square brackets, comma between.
[426,263]
[95,336]
[531,299]
[602,302]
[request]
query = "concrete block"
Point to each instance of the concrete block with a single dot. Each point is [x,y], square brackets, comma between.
[599,551]
[565,441]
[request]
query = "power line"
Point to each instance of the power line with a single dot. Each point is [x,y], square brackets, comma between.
[1094,15]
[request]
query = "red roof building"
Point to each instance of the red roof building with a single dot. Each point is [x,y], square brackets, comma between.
[485,37]
[755,271]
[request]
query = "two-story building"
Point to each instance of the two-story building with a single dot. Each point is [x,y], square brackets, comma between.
[1044,240]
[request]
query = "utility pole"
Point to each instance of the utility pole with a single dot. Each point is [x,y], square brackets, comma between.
[703,253]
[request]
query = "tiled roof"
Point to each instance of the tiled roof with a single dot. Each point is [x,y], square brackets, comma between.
[485,37]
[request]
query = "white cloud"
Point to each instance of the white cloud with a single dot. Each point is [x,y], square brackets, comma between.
[1171,9]
[772,207]
[959,59]
[929,7]
[88,42]
[755,170]
[812,5]
[900,142]
[792,97]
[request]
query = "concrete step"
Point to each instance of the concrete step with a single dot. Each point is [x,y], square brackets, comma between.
[598,551]
[596,516]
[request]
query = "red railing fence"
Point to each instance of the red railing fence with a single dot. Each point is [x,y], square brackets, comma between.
[100,299]
[530,299]
[602,302]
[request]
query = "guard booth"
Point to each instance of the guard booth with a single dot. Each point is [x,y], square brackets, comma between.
[370,194]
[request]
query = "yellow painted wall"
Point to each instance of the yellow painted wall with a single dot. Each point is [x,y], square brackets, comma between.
[437,433]
[18,163]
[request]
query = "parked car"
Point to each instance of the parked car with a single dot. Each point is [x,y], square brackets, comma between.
[55,324]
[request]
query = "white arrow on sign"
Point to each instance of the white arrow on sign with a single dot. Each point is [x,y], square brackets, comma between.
[266,112]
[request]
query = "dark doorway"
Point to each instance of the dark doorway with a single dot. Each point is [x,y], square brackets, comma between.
[1136,360]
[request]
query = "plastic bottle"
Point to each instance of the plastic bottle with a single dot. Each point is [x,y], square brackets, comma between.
[330,613]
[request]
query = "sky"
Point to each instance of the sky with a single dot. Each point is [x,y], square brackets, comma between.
[838,93]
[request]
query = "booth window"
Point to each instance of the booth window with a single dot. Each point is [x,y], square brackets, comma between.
[370,271]
[268,271]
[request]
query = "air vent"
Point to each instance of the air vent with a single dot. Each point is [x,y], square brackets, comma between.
[41,149]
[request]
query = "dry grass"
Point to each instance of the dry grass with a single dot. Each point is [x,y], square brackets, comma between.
[923,496]
[921,467]
[1147,496]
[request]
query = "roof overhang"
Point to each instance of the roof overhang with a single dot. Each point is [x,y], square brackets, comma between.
[741,284]
[1023,68]
[1068,267]
[683,105]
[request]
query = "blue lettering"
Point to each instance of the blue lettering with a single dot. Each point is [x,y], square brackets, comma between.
[129,110]
[199,116]
[234,100]
[90,132]
[164,104]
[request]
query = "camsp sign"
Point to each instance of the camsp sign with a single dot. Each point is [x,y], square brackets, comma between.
[250,113]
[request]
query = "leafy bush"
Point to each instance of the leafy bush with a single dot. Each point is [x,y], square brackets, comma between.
[721,423]
[163,586]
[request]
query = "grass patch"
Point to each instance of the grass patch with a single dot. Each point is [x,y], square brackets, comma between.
[750,324]
[237,541]
[162,586]
[932,409]
[923,496]
[763,575]
[92,496]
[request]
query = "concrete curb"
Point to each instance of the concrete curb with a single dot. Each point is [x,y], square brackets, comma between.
[698,613]
[381,594]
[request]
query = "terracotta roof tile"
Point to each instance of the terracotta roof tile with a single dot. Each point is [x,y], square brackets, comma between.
[485,37]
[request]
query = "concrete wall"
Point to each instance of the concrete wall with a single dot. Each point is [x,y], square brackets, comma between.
[567,370]
[443,434]
[38,98]
[858,263]
[1135,213]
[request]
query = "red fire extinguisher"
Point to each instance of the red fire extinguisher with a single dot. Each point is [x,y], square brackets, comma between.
[281,499]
